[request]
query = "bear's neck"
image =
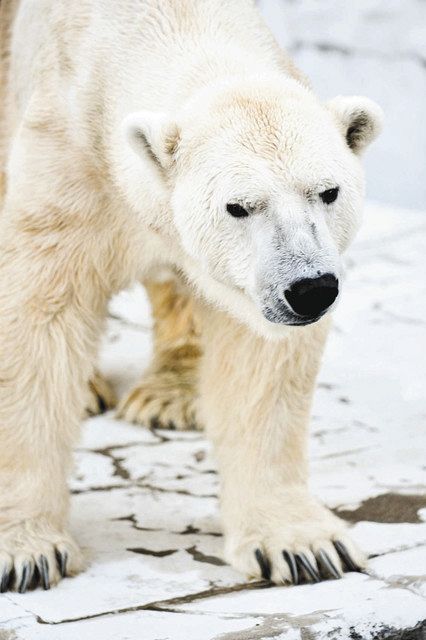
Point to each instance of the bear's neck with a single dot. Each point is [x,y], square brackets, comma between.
[162,70]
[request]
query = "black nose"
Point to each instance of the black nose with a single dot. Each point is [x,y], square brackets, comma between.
[312,296]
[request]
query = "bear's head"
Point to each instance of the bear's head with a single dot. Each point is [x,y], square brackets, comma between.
[265,189]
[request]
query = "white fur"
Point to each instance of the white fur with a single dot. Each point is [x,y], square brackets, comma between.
[214,113]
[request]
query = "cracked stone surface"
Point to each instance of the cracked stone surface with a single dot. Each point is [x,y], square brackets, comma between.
[144,503]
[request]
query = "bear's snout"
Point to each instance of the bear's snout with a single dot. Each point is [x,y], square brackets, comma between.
[311,297]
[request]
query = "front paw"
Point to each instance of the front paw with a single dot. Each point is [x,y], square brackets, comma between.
[33,553]
[291,540]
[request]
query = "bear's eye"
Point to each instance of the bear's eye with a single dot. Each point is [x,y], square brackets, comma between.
[329,195]
[236,210]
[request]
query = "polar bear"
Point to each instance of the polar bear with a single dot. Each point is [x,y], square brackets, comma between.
[144,138]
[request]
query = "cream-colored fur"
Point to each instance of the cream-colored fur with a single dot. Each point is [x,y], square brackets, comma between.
[260,433]
[128,127]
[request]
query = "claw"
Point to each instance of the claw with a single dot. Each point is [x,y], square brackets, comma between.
[101,404]
[345,555]
[25,578]
[43,567]
[307,566]
[62,559]
[289,558]
[154,424]
[4,583]
[328,564]
[264,564]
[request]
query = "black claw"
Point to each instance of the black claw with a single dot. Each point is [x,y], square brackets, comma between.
[290,559]
[303,561]
[345,555]
[102,407]
[154,424]
[4,583]
[62,559]
[264,564]
[25,578]
[328,564]
[43,568]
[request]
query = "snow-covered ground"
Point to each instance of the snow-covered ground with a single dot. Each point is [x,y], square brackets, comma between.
[144,503]
[375,48]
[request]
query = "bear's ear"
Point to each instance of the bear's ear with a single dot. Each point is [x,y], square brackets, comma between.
[152,135]
[359,118]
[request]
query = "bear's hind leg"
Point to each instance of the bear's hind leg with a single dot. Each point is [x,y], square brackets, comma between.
[167,394]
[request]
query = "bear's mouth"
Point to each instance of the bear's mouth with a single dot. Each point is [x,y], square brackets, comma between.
[289,318]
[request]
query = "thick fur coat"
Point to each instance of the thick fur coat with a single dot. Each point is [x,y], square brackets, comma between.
[148,137]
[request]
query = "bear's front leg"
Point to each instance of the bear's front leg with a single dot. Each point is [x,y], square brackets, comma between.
[255,401]
[51,308]
[57,262]
[47,338]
